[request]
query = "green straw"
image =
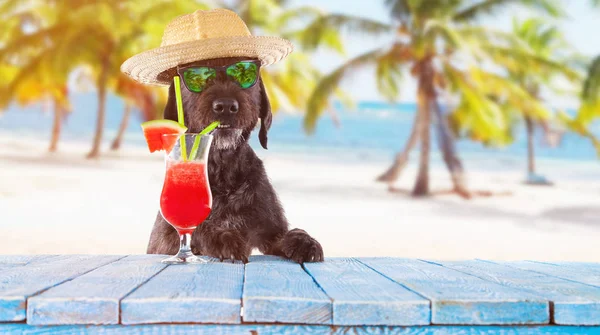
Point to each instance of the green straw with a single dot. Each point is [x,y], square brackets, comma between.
[204,131]
[180,115]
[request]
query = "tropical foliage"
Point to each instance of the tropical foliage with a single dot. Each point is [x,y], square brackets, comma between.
[590,101]
[547,43]
[472,81]
[94,38]
[91,37]
[589,110]
[454,59]
[32,76]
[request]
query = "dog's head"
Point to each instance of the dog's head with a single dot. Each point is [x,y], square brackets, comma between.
[237,109]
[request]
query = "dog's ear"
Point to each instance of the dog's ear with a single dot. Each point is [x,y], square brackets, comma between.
[265,115]
[170,112]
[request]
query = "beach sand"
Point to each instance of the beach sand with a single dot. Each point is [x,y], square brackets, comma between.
[63,203]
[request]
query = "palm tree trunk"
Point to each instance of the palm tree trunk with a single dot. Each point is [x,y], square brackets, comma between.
[447,146]
[393,172]
[56,125]
[421,187]
[530,147]
[116,144]
[102,78]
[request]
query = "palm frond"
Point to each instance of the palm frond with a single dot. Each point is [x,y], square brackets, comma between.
[476,115]
[164,10]
[552,8]
[273,92]
[423,11]
[580,123]
[328,25]
[587,113]
[518,60]
[297,13]
[400,9]
[539,37]
[490,104]
[435,29]
[345,99]
[511,93]
[389,70]
[476,34]
[12,7]
[291,83]
[33,42]
[591,86]
[35,81]
[488,7]
[479,9]
[259,13]
[318,100]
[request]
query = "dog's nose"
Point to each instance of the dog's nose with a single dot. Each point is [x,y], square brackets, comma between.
[225,105]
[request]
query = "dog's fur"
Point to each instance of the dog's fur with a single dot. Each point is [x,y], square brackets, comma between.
[246,213]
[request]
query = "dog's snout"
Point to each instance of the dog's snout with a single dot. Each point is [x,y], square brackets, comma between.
[225,105]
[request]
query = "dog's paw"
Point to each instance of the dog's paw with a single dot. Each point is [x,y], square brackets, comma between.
[229,244]
[298,246]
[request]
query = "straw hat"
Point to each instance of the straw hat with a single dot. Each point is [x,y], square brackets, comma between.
[203,35]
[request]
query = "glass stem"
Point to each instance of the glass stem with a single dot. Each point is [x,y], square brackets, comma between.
[185,243]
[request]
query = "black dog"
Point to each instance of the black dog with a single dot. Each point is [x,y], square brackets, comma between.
[246,213]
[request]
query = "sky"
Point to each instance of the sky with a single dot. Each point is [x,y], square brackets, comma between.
[579,28]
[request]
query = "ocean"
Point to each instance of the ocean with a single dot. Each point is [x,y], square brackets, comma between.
[373,130]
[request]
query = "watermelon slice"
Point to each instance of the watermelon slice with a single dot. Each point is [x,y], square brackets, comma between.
[154,131]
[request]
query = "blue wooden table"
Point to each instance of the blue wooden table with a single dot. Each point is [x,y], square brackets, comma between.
[87,294]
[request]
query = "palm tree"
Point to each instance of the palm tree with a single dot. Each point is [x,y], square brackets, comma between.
[149,100]
[150,19]
[112,46]
[35,83]
[116,143]
[33,76]
[70,36]
[98,36]
[589,109]
[443,48]
[544,41]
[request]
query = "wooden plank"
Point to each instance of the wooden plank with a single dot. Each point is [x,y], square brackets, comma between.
[202,293]
[94,297]
[574,303]
[579,273]
[167,330]
[11,261]
[590,265]
[20,259]
[458,298]
[19,283]
[256,329]
[363,297]
[279,290]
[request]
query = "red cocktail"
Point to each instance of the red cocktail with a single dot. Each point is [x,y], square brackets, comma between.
[186,200]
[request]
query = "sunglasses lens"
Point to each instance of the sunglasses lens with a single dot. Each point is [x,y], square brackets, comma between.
[244,73]
[195,78]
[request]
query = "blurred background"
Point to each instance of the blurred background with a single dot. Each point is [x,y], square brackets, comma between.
[432,129]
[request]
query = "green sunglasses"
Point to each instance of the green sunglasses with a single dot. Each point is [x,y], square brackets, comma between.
[195,78]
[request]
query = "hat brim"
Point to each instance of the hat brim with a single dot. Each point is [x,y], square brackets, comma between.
[147,67]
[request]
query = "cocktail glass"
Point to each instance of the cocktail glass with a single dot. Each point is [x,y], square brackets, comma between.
[186,200]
